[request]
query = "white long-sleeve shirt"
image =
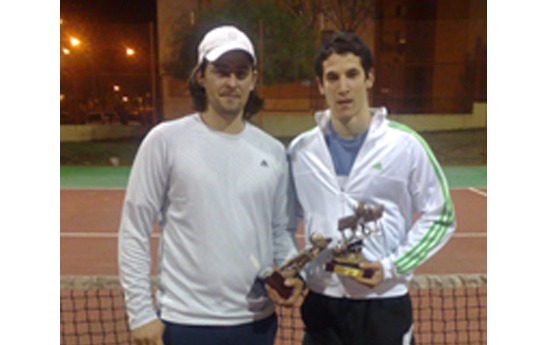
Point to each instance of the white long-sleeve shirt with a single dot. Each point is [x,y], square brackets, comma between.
[221,203]
[394,168]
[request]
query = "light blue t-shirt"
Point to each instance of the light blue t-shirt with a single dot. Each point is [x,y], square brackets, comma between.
[343,151]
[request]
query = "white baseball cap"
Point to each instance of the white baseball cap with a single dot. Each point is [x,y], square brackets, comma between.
[224,39]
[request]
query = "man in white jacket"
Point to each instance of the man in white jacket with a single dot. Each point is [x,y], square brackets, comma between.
[219,188]
[355,155]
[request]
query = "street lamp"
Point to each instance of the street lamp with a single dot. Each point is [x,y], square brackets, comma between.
[81,51]
[74,41]
[83,57]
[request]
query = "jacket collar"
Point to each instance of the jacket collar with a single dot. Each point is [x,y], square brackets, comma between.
[322,118]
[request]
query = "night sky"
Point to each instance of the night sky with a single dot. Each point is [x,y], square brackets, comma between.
[109,11]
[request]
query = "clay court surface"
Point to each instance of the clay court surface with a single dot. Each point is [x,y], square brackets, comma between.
[90,205]
[90,218]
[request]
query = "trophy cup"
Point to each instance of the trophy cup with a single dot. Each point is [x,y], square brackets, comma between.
[347,255]
[293,266]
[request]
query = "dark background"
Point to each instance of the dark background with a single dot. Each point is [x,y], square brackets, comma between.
[115,11]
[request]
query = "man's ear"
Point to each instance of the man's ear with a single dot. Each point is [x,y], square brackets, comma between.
[254,81]
[200,77]
[321,86]
[370,81]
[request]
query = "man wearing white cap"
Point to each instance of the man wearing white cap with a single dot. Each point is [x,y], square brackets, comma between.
[219,188]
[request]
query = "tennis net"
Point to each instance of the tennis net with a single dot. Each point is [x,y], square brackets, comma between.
[447,309]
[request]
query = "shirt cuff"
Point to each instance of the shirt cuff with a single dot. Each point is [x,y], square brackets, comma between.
[265,272]
[389,270]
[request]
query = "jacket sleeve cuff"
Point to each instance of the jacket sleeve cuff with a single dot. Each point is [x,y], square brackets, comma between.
[389,270]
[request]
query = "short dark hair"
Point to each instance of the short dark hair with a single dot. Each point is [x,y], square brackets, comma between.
[343,43]
[198,94]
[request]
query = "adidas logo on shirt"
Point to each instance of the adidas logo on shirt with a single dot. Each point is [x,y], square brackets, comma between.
[264,163]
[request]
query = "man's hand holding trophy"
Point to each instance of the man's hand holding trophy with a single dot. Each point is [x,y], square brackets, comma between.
[284,284]
[347,257]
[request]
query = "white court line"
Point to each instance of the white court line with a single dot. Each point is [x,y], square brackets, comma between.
[94,235]
[478,191]
[106,189]
[156,235]
[92,189]
[471,234]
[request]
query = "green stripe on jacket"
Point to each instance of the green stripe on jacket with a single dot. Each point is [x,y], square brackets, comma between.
[438,229]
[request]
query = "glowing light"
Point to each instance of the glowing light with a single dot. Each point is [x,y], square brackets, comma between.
[74,41]
[130,52]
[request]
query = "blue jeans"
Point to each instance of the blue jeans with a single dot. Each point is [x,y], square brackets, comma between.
[262,332]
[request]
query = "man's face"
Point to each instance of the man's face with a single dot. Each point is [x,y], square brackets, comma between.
[345,85]
[228,82]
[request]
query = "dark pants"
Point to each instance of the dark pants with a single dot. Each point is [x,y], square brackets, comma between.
[262,332]
[342,321]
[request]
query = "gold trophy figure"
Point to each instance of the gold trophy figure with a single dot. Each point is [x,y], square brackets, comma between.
[293,266]
[347,255]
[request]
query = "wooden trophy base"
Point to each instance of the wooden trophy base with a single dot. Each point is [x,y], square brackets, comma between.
[347,269]
[277,282]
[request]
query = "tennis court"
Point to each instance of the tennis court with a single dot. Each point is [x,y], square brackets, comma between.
[449,293]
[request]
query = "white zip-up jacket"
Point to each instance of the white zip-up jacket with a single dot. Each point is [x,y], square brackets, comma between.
[394,168]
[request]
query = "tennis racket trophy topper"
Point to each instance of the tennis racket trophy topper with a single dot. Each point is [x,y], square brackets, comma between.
[293,266]
[347,254]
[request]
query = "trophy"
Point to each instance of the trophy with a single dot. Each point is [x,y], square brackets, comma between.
[347,255]
[293,266]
